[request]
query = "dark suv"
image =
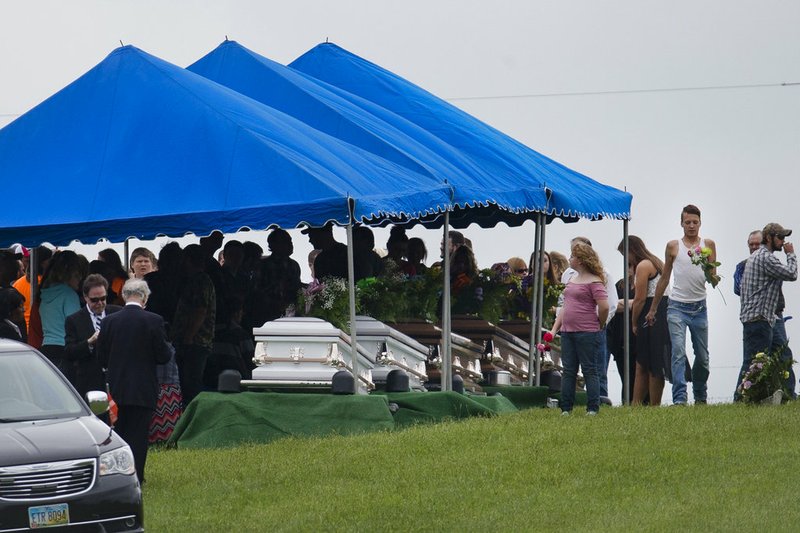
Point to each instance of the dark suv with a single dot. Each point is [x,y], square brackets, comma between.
[60,465]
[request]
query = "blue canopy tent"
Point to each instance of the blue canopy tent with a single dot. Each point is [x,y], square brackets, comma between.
[140,147]
[374,128]
[367,125]
[513,165]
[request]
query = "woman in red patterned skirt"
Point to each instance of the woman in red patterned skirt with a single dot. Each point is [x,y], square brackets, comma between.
[168,409]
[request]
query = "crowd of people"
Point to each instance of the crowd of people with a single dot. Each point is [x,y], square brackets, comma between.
[201,309]
[659,325]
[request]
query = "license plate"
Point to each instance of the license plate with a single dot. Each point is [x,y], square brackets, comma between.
[48,515]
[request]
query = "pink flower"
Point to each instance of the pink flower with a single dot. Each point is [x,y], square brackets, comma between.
[540,347]
[547,337]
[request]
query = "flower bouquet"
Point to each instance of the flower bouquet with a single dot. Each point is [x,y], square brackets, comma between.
[327,300]
[766,375]
[700,256]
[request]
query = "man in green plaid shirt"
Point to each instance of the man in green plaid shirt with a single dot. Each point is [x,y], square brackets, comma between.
[763,277]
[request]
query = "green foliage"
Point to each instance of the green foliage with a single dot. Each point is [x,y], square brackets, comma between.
[493,295]
[328,300]
[767,374]
[393,296]
[495,288]
[488,296]
[422,295]
[628,469]
[382,298]
[520,307]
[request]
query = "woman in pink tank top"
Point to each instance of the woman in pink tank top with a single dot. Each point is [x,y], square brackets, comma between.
[580,323]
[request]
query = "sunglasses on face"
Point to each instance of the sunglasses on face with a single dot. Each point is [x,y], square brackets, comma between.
[97,299]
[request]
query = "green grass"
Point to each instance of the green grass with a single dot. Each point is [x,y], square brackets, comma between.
[706,468]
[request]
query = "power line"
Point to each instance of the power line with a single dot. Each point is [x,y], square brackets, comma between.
[593,93]
[626,91]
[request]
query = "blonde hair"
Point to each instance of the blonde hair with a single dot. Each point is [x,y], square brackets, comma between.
[587,257]
[517,263]
[558,262]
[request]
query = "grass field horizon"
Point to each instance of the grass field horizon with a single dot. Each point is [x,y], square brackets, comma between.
[704,468]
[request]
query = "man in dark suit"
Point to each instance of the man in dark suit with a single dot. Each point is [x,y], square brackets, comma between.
[82,328]
[130,345]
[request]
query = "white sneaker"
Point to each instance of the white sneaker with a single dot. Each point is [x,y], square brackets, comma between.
[564,413]
[591,413]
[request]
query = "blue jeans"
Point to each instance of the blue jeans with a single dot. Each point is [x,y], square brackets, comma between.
[580,347]
[756,337]
[693,315]
[602,364]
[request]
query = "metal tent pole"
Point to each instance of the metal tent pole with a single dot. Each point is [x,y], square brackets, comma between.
[126,255]
[540,299]
[626,378]
[33,272]
[351,290]
[535,274]
[446,356]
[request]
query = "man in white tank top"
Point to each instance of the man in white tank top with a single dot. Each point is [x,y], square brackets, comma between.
[687,306]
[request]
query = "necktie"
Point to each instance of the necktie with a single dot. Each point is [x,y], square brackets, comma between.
[96,319]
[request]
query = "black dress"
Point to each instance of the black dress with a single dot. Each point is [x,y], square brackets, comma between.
[653,346]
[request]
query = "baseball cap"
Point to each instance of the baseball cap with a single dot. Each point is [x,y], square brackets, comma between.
[20,251]
[773,228]
[308,229]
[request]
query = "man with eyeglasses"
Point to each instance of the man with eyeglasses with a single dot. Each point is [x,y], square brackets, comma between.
[82,329]
[761,286]
[753,244]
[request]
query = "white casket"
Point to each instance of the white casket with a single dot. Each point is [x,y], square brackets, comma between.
[304,353]
[389,349]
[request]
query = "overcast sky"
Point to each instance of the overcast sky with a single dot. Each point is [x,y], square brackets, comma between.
[679,102]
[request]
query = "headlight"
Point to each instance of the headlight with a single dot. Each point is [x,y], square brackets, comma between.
[119,461]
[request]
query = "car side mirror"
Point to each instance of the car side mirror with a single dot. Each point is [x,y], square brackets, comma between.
[98,401]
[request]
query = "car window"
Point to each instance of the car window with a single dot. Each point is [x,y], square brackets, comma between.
[31,390]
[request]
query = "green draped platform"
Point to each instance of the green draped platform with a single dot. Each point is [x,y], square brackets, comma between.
[528,397]
[423,407]
[521,397]
[217,420]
